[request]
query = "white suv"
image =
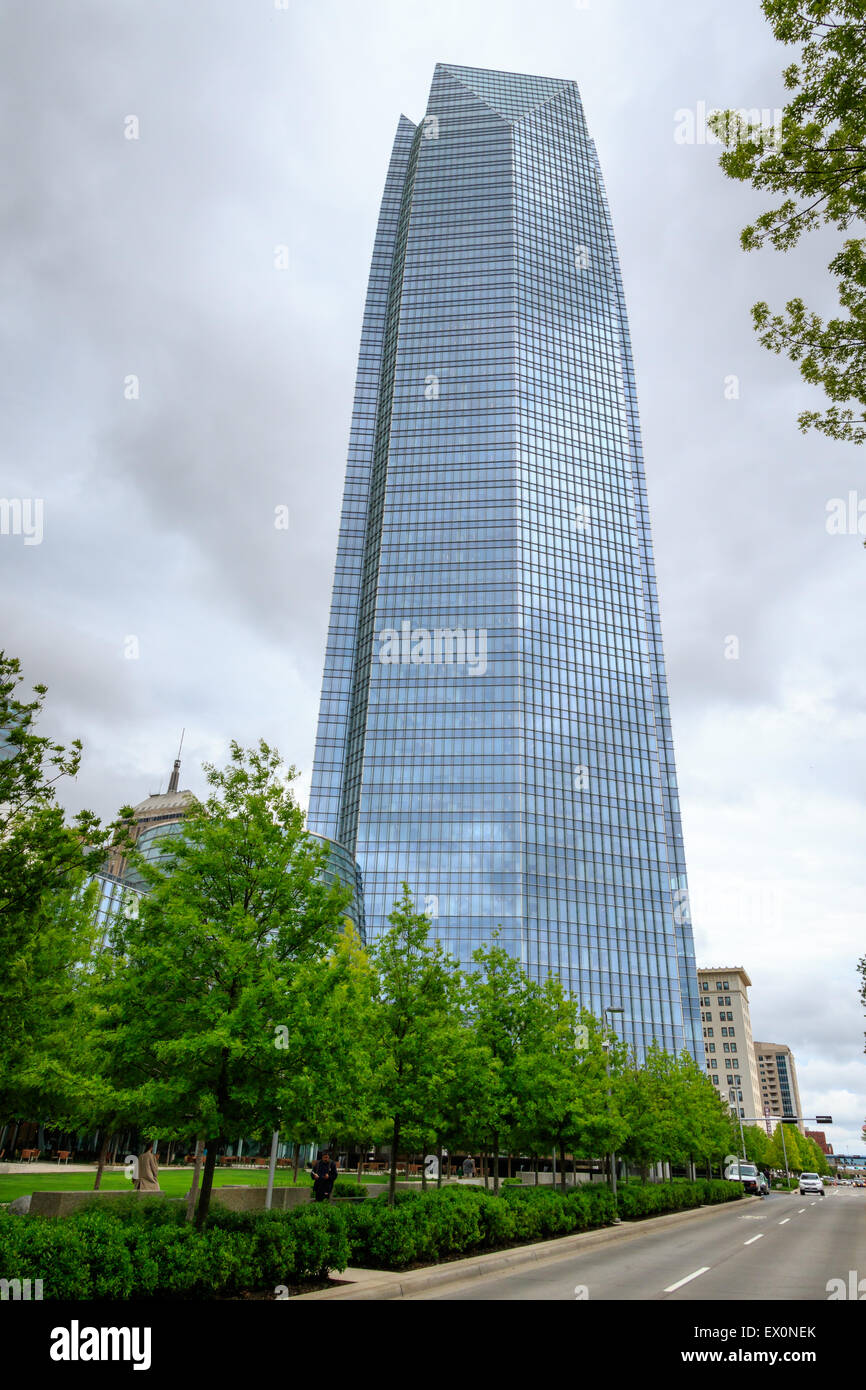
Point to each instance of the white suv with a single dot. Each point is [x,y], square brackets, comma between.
[810,1182]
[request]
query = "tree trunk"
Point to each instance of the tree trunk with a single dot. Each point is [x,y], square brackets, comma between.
[360,1164]
[438,1165]
[100,1167]
[496,1165]
[509,1165]
[535,1167]
[297,1158]
[423,1171]
[207,1182]
[562,1166]
[392,1172]
[190,1201]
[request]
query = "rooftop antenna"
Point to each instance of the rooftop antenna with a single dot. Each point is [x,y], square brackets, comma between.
[172,782]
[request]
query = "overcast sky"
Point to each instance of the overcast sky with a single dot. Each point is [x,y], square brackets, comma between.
[154,258]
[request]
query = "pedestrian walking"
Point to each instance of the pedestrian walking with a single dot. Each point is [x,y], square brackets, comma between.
[469,1166]
[324,1177]
[148,1171]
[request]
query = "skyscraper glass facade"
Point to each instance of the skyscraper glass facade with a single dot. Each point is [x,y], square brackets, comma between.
[494,725]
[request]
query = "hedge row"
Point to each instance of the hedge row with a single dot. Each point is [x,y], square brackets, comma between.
[102,1254]
[440,1225]
[653,1199]
[141,1249]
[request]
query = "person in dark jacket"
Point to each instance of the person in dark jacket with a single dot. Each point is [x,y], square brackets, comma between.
[324,1177]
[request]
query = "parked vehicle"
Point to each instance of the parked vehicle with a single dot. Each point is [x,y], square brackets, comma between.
[747,1174]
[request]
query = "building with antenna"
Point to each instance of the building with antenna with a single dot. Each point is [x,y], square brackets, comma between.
[158,816]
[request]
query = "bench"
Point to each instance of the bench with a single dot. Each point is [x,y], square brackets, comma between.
[63,1155]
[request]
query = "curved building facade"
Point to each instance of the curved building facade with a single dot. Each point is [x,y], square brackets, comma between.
[341,866]
[494,725]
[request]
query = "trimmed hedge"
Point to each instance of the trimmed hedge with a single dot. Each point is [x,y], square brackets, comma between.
[345,1187]
[456,1221]
[102,1254]
[141,1249]
[654,1199]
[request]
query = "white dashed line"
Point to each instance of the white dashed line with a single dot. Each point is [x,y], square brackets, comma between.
[785,1222]
[672,1288]
[802,1209]
[754,1238]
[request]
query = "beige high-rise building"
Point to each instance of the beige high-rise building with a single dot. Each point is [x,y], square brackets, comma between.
[777,1076]
[727,1029]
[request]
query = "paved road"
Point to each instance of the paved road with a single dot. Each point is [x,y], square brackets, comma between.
[787,1247]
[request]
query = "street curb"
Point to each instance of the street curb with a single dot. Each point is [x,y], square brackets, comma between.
[386,1284]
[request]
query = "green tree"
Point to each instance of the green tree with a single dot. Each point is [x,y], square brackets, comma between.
[818,169]
[674,1113]
[786,1143]
[201,979]
[329,1091]
[501,1000]
[758,1145]
[561,1079]
[708,1130]
[417,983]
[47,927]
[814,1160]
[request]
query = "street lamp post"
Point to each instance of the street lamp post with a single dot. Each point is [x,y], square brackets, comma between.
[738,1097]
[755,1119]
[611,1009]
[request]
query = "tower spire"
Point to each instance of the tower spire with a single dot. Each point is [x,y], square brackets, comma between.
[175,774]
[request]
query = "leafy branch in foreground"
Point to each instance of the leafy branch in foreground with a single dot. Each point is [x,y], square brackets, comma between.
[817,162]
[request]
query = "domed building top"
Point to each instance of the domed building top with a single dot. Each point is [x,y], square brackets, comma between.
[170,805]
[165,806]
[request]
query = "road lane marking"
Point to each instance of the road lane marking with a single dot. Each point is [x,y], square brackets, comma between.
[754,1238]
[802,1209]
[672,1288]
[785,1222]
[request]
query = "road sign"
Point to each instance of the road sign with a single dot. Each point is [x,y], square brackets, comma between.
[823,1119]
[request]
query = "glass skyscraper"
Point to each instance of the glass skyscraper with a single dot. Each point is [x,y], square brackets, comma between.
[494,723]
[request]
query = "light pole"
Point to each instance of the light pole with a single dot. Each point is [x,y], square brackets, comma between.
[739,1097]
[611,1009]
[806,1119]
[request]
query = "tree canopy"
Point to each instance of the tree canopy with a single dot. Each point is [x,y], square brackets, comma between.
[815,165]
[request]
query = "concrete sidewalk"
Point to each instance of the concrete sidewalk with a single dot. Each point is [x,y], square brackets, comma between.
[29,1170]
[372,1284]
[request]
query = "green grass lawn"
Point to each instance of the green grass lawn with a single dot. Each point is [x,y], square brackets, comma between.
[174,1181]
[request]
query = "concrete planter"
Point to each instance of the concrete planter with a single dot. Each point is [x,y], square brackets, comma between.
[62,1203]
[241,1198]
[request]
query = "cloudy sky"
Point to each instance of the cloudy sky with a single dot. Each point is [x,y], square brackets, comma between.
[166,386]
